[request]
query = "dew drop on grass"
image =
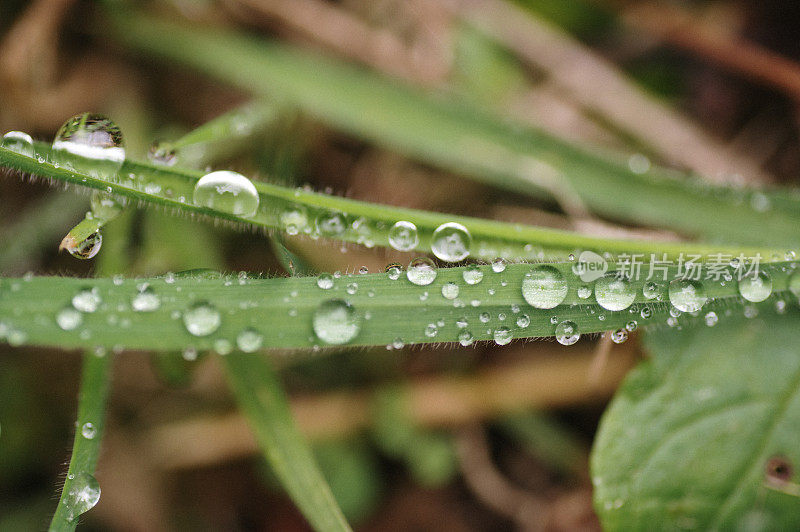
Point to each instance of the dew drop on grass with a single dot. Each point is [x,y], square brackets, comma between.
[403,236]
[69,319]
[472,274]
[687,295]
[502,336]
[83,495]
[465,338]
[146,300]
[90,144]
[85,249]
[584,292]
[18,142]
[352,288]
[393,271]
[450,290]
[331,224]
[711,319]
[544,287]
[499,265]
[202,319]
[421,271]
[335,322]
[651,290]
[646,313]
[228,192]
[619,336]
[484,317]
[325,281]
[567,333]
[398,343]
[88,431]
[431,330]
[613,292]
[189,354]
[294,221]
[86,300]
[451,242]
[523,320]
[756,287]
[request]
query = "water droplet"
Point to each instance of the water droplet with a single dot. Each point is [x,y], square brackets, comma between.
[352,288]
[90,144]
[584,292]
[88,430]
[86,300]
[105,206]
[465,338]
[363,270]
[294,221]
[499,265]
[394,271]
[85,249]
[146,300]
[450,290]
[325,281]
[18,142]
[202,319]
[451,242]
[228,192]
[567,333]
[711,319]
[652,290]
[619,336]
[403,236]
[472,274]
[544,287]
[161,154]
[83,495]
[335,322]
[431,330]
[502,336]
[631,325]
[189,354]
[687,295]
[331,224]
[484,317]
[69,319]
[613,292]
[421,271]
[756,287]
[523,320]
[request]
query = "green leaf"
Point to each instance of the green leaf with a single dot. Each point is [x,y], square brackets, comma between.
[262,400]
[686,442]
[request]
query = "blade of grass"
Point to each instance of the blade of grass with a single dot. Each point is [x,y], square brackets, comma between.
[263,402]
[299,211]
[461,138]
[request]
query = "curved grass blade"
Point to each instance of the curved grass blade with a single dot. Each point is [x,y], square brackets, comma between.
[465,139]
[370,309]
[262,400]
[299,211]
[81,490]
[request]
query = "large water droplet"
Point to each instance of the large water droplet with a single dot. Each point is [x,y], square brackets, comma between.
[146,300]
[90,144]
[18,142]
[421,271]
[86,300]
[756,287]
[567,333]
[403,236]
[83,495]
[228,192]
[613,292]
[687,295]
[86,248]
[502,336]
[544,287]
[249,340]
[202,319]
[451,242]
[69,319]
[335,322]
[472,274]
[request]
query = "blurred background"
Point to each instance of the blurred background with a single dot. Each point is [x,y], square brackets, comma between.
[478,438]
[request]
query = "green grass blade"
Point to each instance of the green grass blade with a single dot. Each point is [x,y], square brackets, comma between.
[262,400]
[385,311]
[299,211]
[465,139]
[78,487]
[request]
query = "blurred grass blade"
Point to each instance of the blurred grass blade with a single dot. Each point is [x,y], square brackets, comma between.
[262,400]
[464,139]
[80,491]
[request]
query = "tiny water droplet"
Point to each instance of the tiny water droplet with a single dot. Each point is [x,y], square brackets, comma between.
[398,343]
[431,330]
[88,430]
[523,320]
[394,271]
[711,319]
[472,274]
[421,271]
[363,270]
[294,221]
[403,236]
[335,322]
[352,288]
[89,144]
[86,300]
[451,242]
[687,295]
[502,336]
[331,224]
[465,338]
[631,325]
[619,336]
[584,292]
[18,142]
[544,287]
[652,290]
[484,317]
[189,354]
[202,319]
[226,191]
[450,290]
[325,281]
[613,292]
[567,333]
[146,300]
[499,265]
[69,319]
[756,287]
